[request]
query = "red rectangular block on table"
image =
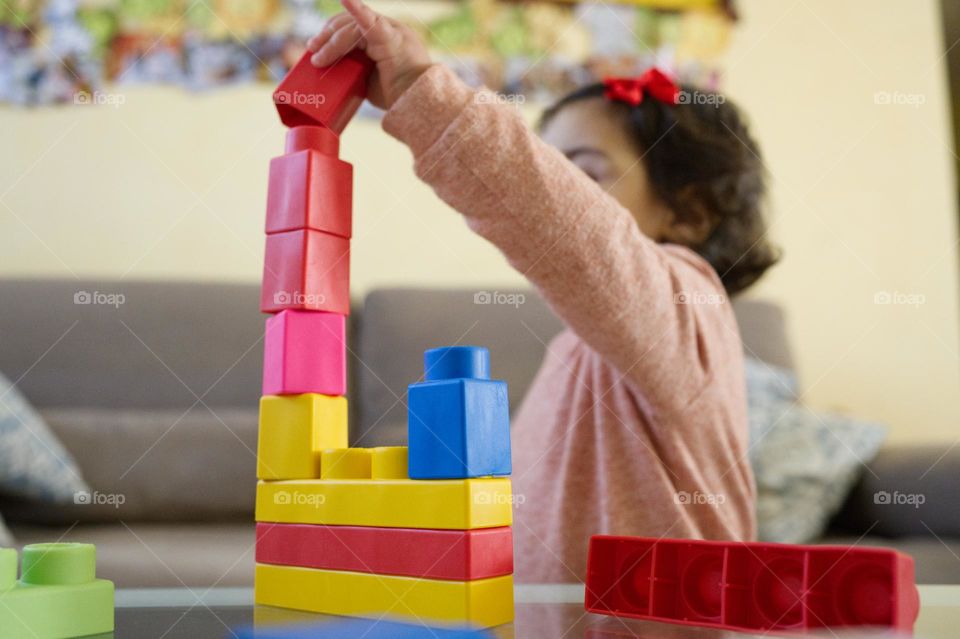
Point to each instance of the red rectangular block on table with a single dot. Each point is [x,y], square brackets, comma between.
[462,555]
[309,186]
[305,352]
[750,586]
[327,96]
[307,270]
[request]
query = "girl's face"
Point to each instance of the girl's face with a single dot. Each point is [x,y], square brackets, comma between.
[591,136]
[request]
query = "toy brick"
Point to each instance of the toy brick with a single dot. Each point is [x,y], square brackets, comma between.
[753,587]
[345,463]
[458,420]
[361,628]
[308,189]
[389,462]
[305,352]
[312,138]
[448,504]
[327,96]
[483,602]
[8,568]
[294,430]
[453,362]
[58,594]
[463,555]
[306,270]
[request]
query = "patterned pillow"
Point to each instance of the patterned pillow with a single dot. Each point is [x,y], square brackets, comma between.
[33,463]
[805,462]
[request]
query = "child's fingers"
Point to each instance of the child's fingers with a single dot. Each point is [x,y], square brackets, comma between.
[329,28]
[339,44]
[378,31]
[364,15]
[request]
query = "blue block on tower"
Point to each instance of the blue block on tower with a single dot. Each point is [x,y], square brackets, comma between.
[458,419]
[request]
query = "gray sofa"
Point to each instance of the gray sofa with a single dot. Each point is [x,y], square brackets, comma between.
[157,400]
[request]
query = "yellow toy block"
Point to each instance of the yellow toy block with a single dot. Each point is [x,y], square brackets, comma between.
[345,463]
[294,429]
[451,504]
[389,462]
[483,602]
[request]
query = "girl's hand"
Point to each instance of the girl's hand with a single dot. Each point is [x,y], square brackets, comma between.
[396,49]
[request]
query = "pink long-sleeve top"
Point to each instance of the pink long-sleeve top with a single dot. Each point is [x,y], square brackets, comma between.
[636,423]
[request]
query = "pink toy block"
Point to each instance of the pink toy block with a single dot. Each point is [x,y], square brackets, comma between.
[327,96]
[309,188]
[305,352]
[306,270]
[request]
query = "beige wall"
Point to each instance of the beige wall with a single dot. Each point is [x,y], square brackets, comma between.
[173,185]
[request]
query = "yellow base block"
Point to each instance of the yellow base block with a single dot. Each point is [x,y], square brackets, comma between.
[452,504]
[294,429]
[484,602]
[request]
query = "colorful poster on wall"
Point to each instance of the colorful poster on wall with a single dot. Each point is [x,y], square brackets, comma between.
[66,51]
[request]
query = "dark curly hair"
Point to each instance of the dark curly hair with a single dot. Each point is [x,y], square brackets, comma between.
[701,159]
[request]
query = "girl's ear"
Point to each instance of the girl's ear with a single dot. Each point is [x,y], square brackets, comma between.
[692,226]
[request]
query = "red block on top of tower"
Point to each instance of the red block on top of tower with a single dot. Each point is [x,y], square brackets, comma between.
[327,96]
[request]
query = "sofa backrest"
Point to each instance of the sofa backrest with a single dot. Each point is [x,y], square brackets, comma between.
[112,344]
[163,345]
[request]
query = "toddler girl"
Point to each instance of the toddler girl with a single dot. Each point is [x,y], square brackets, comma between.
[635,216]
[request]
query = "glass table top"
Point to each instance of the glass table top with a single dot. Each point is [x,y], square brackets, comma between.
[554,612]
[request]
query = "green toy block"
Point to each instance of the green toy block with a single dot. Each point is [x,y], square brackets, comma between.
[58,595]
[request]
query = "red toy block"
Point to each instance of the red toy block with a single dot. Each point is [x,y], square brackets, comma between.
[327,96]
[305,352]
[462,555]
[755,587]
[310,188]
[306,270]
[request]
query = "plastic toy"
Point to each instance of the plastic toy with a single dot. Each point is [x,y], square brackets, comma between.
[305,352]
[328,96]
[411,552]
[485,602]
[756,587]
[458,418]
[449,504]
[294,430]
[306,269]
[388,462]
[58,594]
[310,188]
[346,463]
[361,628]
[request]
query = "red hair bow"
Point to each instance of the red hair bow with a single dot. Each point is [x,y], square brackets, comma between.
[630,90]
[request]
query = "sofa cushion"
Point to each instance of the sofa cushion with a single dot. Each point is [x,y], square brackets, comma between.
[804,462]
[155,465]
[909,491]
[33,463]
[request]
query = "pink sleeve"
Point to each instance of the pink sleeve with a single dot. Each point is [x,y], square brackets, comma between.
[617,289]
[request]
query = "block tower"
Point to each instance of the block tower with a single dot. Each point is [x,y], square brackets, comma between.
[420,532]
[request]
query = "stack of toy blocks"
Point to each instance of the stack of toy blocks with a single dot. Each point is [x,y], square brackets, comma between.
[420,533]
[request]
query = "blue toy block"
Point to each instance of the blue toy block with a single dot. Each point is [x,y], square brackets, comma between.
[458,420]
[353,629]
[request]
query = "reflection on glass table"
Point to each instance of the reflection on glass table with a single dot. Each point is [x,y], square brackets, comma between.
[547,612]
